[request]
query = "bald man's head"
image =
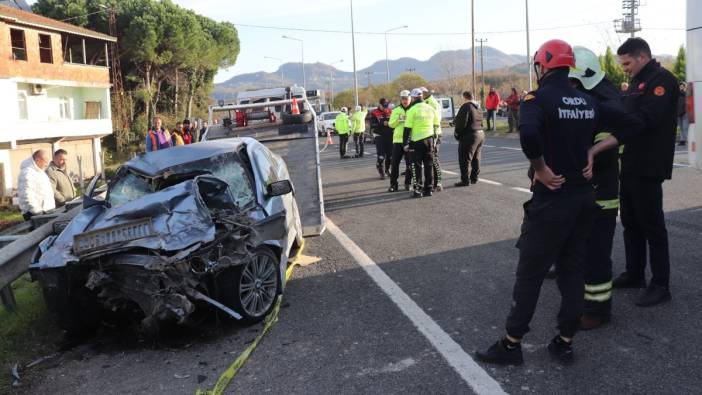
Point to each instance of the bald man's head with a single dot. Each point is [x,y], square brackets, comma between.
[41,158]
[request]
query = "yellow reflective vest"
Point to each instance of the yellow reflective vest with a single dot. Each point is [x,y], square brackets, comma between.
[422,119]
[358,122]
[437,107]
[341,123]
[397,122]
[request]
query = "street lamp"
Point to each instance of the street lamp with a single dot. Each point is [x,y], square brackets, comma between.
[282,83]
[302,48]
[526,3]
[353,51]
[331,83]
[387,62]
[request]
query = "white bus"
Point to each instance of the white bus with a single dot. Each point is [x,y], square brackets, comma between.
[694,80]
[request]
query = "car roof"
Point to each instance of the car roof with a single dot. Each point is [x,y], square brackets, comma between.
[154,163]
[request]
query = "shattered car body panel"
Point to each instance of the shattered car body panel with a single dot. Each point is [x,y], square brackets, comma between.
[171,225]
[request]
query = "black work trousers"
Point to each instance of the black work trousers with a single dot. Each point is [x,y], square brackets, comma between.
[470,146]
[423,160]
[398,153]
[641,200]
[383,148]
[358,142]
[598,264]
[343,143]
[555,229]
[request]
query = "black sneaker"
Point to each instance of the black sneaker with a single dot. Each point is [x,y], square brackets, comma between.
[501,354]
[475,181]
[345,157]
[416,194]
[438,188]
[428,193]
[407,187]
[561,350]
[392,189]
[653,295]
[626,280]
[462,184]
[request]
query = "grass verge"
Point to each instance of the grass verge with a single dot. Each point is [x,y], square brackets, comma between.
[27,333]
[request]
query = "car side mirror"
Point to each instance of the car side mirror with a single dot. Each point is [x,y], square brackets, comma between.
[279,188]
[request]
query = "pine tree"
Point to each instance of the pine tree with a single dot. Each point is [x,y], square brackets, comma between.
[613,71]
[679,66]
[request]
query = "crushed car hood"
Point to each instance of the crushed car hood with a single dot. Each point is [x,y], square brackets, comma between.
[177,218]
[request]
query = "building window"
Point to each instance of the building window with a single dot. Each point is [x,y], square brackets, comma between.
[22,102]
[73,49]
[92,110]
[19,47]
[45,52]
[64,108]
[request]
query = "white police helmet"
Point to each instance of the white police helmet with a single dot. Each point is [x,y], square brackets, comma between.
[416,92]
[404,93]
[344,109]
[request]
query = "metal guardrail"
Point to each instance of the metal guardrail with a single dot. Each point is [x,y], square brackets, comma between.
[17,248]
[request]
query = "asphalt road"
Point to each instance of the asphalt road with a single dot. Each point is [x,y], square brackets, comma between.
[407,290]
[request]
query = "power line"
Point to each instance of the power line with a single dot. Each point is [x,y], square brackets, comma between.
[313,30]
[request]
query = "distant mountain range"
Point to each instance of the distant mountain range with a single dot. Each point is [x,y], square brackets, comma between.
[442,65]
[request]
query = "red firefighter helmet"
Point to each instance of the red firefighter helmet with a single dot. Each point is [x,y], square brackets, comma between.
[553,54]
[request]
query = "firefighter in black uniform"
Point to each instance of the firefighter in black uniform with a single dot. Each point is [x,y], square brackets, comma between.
[556,126]
[589,77]
[647,161]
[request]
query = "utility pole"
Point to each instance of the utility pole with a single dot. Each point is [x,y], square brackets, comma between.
[472,49]
[482,74]
[629,23]
[528,49]
[353,49]
[118,86]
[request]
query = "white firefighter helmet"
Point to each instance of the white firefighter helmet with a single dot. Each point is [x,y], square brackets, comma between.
[587,68]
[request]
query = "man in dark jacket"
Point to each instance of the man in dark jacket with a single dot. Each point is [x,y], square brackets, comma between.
[468,130]
[380,118]
[683,122]
[646,162]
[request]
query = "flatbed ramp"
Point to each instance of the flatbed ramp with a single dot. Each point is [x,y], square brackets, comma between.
[298,145]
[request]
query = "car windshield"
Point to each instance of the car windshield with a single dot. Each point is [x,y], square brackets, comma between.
[330,116]
[128,188]
[228,168]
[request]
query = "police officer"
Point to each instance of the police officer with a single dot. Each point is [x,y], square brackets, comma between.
[419,135]
[589,78]
[341,124]
[383,137]
[428,98]
[647,161]
[397,122]
[556,126]
[468,130]
[358,128]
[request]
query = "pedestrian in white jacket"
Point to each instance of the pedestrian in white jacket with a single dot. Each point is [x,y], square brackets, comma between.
[36,195]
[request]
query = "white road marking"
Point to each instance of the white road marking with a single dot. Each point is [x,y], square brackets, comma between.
[460,361]
[681,165]
[520,189]
[450,172]
[509,148]
[489,181]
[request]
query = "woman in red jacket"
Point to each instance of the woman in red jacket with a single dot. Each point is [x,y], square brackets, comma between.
[491,103]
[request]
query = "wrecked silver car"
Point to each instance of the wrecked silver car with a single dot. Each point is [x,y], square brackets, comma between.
[212,223]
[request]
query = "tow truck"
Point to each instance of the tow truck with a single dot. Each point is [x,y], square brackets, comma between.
[268,115]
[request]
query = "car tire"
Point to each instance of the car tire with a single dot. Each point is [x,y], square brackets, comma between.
[75,308]
[291,119]
[251,289]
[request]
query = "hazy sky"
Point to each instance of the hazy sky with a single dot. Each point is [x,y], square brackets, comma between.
[501,22]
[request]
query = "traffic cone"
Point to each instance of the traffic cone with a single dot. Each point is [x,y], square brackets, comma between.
[329,139]
[294,108]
